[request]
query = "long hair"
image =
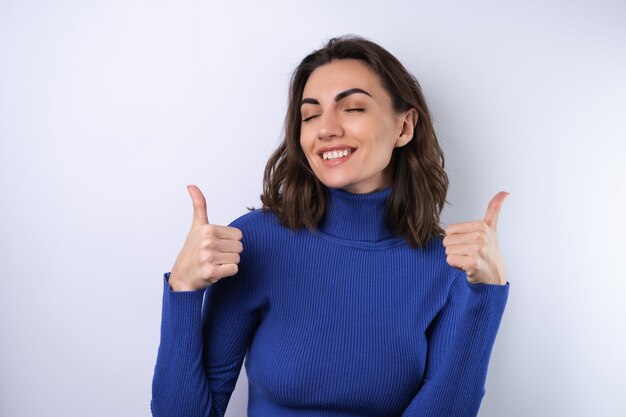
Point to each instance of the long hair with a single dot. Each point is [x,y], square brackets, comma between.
[419,185]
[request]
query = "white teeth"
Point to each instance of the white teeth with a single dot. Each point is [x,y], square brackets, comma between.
[336,154]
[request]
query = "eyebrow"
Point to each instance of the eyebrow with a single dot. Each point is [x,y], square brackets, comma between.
[338,97]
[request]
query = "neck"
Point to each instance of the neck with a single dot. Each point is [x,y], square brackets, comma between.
[359,217]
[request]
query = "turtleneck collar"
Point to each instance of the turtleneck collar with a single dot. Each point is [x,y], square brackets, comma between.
[359,217]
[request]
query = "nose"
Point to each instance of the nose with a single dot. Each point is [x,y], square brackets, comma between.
[329,126]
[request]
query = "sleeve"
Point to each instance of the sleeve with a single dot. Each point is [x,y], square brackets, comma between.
[204,338]
[460,340]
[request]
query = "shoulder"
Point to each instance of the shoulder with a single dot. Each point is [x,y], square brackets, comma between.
[259,228]
[255,218]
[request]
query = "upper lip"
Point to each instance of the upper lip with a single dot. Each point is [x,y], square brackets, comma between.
[334,148]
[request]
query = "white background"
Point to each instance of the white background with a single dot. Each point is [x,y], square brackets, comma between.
[108,109]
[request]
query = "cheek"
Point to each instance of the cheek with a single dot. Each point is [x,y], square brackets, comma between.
[306,146]
[380,146]
[305,136]
[372,130]
[379,139]
[387,137]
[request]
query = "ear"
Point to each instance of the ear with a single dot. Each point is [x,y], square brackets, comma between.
[408,123]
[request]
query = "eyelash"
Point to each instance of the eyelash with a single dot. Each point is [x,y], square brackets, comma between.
[358,110]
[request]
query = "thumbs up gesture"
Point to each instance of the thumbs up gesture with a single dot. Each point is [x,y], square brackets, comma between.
[473,246]
[210,252]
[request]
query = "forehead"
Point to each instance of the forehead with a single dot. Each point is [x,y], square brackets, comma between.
[339,75]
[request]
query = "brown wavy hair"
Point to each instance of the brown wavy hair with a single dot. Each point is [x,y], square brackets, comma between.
[419,185]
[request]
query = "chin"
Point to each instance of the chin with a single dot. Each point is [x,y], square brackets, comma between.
[334,185]
[335,182]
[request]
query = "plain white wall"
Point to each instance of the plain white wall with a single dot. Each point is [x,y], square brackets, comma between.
[108,109]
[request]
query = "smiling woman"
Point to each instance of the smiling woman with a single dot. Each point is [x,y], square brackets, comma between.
[341,291]
[352,120]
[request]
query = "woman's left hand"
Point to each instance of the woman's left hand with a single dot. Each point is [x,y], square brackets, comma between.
[473,246]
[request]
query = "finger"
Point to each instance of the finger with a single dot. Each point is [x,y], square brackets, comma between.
[463,238]
[469,264]
[465,227]
[220,258]
[458,261]
[493,209]
[227,232]
[199,207]
[465,250]
[215,231]
[224,245]
[229,245]
[226,270]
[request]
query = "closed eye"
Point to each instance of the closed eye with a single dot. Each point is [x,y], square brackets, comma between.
[359,110]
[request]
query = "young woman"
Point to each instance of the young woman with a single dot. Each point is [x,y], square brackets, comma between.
[343,292]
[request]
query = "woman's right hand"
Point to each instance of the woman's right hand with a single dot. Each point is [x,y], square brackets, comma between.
[210,253]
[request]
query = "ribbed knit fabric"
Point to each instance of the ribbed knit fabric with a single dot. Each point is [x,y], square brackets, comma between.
[344,322]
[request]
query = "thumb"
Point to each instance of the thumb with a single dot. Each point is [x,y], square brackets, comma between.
[493,210]
[199,207]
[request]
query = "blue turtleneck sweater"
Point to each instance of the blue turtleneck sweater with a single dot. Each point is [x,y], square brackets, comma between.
[347,321]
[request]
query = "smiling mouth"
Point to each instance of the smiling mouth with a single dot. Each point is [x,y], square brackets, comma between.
[338,154]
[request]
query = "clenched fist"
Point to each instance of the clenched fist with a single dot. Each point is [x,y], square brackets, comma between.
[473,246]
[210,253]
